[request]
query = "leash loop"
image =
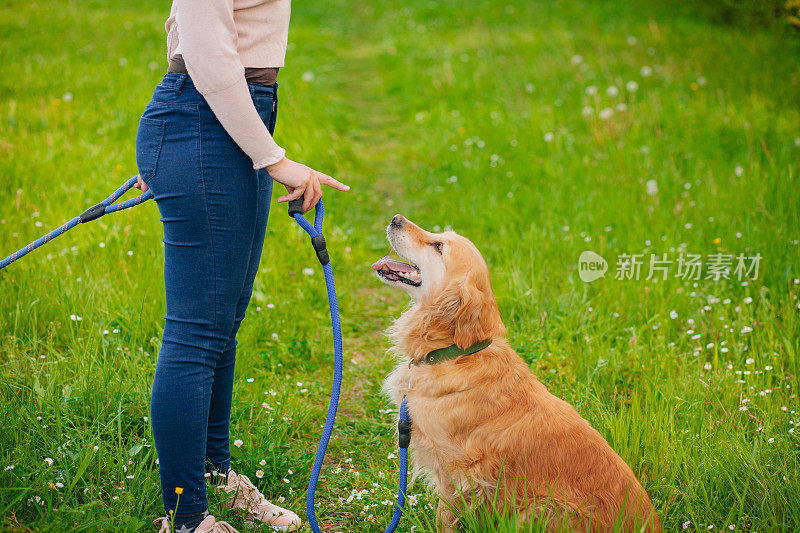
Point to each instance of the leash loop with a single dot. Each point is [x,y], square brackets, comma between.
[93,213]
[404,425]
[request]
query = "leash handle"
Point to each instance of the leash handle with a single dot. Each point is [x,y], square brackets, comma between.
[93,213]
[315,231]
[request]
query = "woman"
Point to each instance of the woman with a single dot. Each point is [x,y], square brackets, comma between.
[205,149]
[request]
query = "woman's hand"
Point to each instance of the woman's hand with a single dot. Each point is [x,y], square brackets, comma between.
[140,184]
[301,180]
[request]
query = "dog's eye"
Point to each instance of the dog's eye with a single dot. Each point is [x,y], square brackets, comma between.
[437,246]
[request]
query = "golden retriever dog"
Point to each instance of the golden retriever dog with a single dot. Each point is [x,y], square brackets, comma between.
[484,428]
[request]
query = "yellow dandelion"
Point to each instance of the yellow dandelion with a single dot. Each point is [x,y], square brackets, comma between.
[695,86]
[179,490]
[717,240]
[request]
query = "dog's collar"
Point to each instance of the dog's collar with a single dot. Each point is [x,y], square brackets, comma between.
[451,352]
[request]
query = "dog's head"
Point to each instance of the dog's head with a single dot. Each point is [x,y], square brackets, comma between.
[446,278]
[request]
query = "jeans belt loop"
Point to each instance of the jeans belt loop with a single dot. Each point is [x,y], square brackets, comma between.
[179,82]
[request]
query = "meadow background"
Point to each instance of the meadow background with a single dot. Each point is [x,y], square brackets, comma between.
[537,129]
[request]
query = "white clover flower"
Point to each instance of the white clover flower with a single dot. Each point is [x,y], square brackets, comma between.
[308,271]
[651,187]
[591,90]
[738,171]
[308,76]
[612,91]
[587,111]
[746,329]
[606,113]
[549,136]
[646,71]
[673,314]
[750,361]
[622,107]
[250,380]
[632,86]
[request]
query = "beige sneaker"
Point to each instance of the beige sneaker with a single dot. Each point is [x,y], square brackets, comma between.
[246,496]
[208,525]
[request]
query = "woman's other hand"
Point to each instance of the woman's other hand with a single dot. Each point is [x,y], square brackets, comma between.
[140,184]
[301,180]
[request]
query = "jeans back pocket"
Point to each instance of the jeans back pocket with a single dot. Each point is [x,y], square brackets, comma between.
[149,139]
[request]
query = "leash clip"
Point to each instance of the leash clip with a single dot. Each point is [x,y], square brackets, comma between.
[404,426]
[404,433]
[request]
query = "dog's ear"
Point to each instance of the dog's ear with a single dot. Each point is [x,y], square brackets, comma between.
[468,308]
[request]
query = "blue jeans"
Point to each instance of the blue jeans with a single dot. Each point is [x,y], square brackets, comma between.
[214,208]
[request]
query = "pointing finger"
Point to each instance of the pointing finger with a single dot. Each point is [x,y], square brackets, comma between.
[331,182]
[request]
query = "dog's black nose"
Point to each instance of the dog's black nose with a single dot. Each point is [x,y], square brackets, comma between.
[397,221]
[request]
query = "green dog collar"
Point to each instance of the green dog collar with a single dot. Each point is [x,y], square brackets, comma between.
[453,351]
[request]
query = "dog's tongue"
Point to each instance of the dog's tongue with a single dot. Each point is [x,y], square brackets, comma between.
[392,264]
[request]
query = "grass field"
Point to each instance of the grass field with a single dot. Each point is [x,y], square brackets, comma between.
[539,130]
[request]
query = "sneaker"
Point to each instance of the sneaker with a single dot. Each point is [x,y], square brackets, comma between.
[246,496]
[208,525]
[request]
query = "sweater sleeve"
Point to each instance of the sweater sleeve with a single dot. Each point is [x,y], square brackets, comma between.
[207,37]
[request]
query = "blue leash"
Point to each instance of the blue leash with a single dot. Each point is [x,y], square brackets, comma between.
[404,424]
[318,242]
[93,213]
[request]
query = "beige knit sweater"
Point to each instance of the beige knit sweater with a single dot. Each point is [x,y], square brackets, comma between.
[217,40]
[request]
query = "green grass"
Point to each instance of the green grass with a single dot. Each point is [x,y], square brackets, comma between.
[404,96]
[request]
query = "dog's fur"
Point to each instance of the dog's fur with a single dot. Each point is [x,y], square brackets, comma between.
[484,428]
